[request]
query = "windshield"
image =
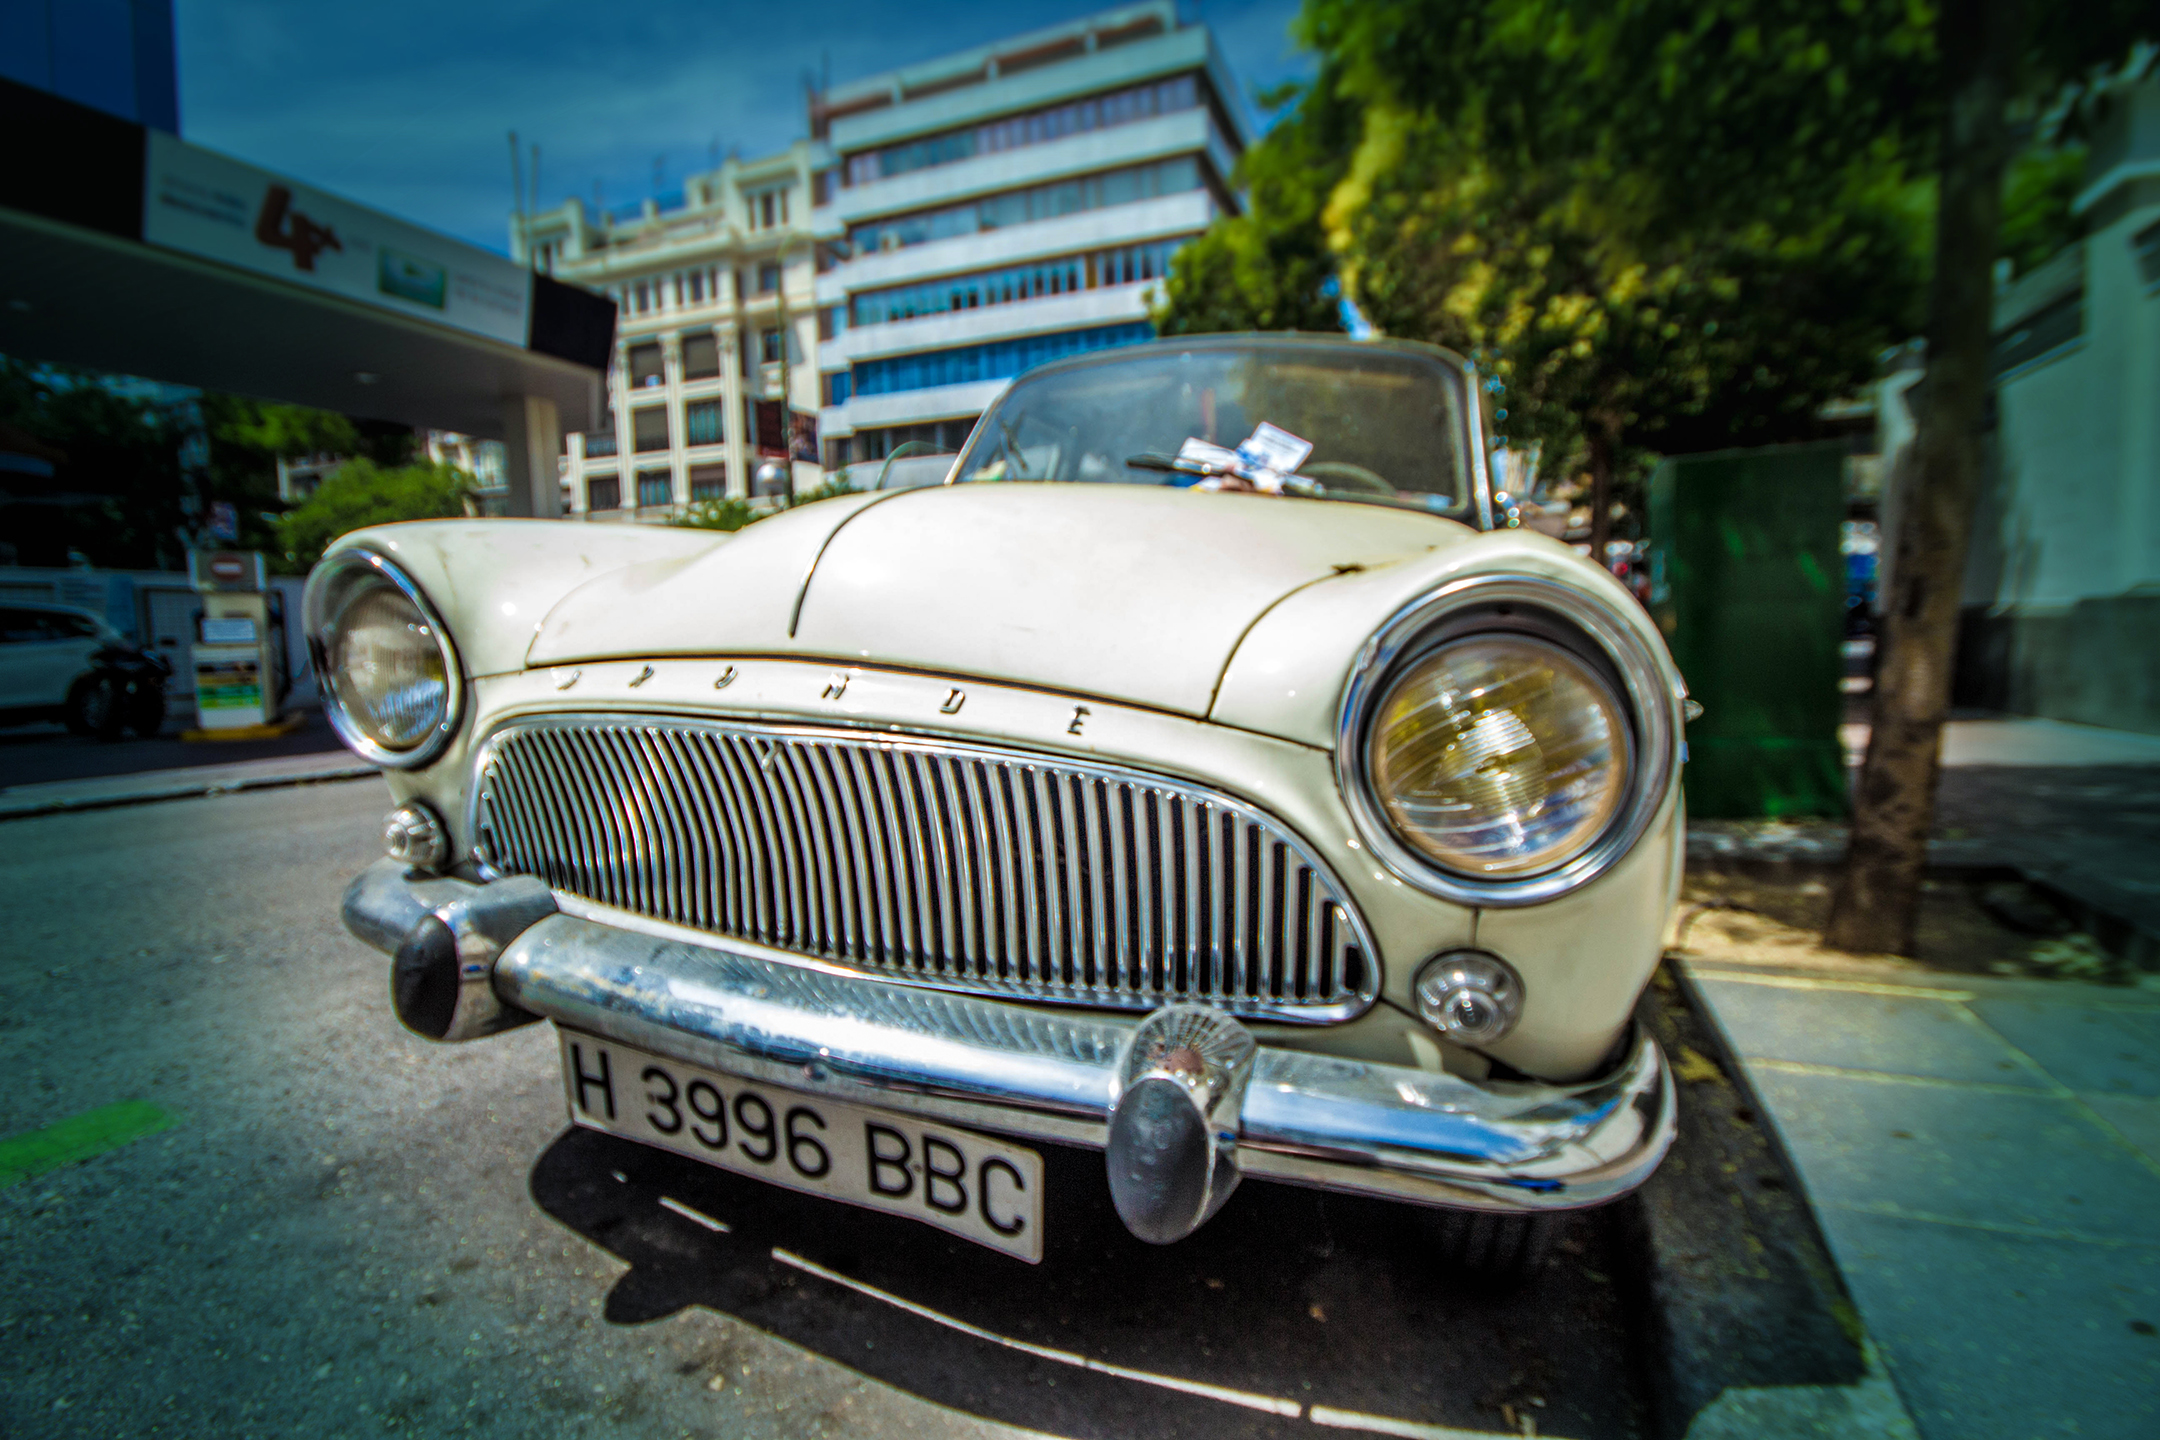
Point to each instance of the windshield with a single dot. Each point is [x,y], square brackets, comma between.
[1334,421]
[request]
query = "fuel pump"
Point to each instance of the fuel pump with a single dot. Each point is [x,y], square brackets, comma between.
[239,651]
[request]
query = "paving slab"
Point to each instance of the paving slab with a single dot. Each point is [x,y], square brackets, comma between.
[2108,1049]
[1998,1228]
[2009,1335]
[1905,1036]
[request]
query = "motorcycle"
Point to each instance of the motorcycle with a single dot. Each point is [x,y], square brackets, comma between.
[125,690]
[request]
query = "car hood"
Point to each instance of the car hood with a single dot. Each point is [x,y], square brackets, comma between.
[1136,594]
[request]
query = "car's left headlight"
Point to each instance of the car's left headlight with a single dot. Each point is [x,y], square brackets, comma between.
[388,669]
[1505,740]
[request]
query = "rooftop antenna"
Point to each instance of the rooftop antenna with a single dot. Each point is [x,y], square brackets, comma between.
[533,203]
[517,196]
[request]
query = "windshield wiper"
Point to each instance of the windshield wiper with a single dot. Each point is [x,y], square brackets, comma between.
[1174,464]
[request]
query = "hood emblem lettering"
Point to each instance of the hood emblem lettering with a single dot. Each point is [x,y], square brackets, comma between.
[835,687]
[727,678]
[571,681]
[642,676]
[954,699]
[1080,714]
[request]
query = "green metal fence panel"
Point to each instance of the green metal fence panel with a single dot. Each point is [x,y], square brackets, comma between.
[1746,581]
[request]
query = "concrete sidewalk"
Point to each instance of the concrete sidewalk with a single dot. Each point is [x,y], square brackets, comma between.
[1984,1158]
[97,794]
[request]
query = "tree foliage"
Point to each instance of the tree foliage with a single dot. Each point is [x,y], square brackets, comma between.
[360,493]
[1655,223]
[114,495]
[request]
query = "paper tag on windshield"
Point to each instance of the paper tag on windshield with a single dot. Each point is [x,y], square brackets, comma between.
[1274,452]
[1215,457]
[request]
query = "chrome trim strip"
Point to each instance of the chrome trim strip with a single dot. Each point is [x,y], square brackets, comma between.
[1107,908]
[1654,717]
[1340,1124]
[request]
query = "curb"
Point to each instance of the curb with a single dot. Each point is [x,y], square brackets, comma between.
[177,785]
[1750,1331]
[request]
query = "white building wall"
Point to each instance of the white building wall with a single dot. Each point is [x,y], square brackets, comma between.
[974,87]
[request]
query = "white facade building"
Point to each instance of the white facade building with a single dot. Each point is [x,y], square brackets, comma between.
[715,290]
[2062,591]
[986,212]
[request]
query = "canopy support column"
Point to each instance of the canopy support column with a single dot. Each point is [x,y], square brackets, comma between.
[532,438]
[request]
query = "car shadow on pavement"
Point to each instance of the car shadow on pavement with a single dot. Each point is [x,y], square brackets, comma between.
[1291,1307]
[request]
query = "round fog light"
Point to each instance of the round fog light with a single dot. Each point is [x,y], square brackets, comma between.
[1469,996]
[413,836]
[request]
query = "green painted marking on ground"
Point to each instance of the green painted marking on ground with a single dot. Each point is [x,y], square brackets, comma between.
[25,1156]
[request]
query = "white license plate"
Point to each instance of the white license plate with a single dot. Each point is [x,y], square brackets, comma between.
[979,1189]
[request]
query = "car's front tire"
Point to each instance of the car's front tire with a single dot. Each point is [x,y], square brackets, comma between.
[1481,1242]
[95,708]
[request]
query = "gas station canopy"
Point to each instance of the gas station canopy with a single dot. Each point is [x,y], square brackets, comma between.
[126,249]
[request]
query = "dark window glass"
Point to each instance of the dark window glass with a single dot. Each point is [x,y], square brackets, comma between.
[1040,202]
[997,361]
[708,482]
[700,356]
[703,422]
[769,346]
[603,492]
[599,443]
[837,388]
[1096,112]
[768,277]
[646,366]
[654,487]
[649,428]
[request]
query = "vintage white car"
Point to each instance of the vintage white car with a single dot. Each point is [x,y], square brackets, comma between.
[1197,775]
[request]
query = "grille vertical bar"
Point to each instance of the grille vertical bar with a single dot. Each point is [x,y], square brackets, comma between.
[957,867]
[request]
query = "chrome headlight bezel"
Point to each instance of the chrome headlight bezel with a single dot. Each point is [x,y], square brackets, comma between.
[1534,607]
[375,567]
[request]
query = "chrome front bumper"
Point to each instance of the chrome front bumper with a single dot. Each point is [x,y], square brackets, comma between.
[1310,1119]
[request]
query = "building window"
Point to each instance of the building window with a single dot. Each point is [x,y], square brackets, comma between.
[770,345]
[599,443]
[654,487]
[768,277]
[767,209]
[702,420]
[697,287]
[1097,112]
[603,492]
[700,356]
[649,428]
[646,366]
[641,297]
[1015,283]
[837,388]
[708,482]
[829,323]
[997,361]
[1038,202]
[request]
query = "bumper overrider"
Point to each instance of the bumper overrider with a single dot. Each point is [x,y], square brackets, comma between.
[1184,1101]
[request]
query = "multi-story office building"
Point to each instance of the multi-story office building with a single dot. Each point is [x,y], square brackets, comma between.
[994,209]
[714,285]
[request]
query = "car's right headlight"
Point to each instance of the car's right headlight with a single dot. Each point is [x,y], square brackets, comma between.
[1505,739]
[388,669]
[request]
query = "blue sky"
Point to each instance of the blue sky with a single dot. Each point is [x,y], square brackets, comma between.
[405,105]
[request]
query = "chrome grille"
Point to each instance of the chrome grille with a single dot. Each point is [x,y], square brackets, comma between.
[962,868]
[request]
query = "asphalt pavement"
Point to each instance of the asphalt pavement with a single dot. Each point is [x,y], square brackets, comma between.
[45,753]
[326,1226]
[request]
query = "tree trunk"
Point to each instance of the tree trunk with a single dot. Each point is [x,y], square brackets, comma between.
[1601,478]
[1878,896]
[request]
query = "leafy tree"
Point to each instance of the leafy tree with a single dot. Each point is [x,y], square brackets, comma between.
[114,497]
[361,493]
[2036,218]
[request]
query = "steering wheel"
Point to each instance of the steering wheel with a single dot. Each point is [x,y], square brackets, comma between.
[1342,475]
